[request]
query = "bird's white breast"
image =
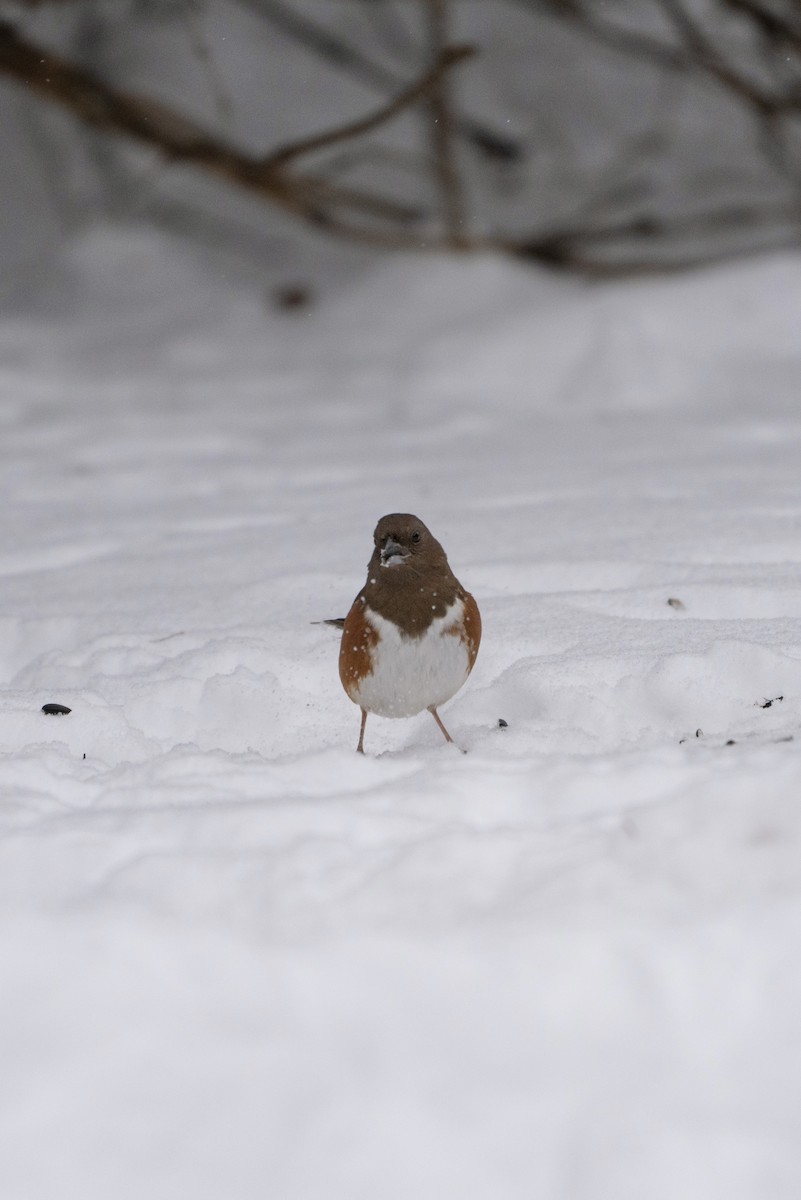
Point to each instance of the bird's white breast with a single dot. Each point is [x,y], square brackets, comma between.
[411,674]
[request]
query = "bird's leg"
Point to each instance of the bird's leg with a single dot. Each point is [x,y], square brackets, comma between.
[360,747]
[436,717]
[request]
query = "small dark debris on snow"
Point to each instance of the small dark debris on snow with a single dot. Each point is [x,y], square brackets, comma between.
[674,603]
[56,710]
[769,703]
[731,742]
[502,724]
[788,738]
[699,733]
[293,297]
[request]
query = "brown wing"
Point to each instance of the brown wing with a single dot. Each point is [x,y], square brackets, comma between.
[472,627]
[355,650]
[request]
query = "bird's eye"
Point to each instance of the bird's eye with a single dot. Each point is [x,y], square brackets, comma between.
[416,535]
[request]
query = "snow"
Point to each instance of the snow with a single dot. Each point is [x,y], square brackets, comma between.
[241,960]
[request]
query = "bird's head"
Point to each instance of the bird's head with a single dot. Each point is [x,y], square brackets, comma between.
[402,540]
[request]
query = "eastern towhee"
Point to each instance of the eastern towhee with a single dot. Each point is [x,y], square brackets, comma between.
[412,634]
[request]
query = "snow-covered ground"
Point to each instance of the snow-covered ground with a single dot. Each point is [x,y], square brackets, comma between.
[241,961]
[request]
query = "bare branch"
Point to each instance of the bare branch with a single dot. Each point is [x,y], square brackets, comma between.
[446,169]
[615,36]
[772,24]
[691,49]
[695,50]
[583,243]
[449,57]
[344,57]
[192,18]
[571,248]
[707,56]
[182,140]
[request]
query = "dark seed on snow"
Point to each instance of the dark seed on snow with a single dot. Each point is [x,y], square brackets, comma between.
[502,724]
[674,603]
[56,710]
[293,297]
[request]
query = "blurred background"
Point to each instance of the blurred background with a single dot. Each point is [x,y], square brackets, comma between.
[290,140]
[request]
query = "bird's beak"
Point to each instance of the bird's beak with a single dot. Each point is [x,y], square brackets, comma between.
[392,553]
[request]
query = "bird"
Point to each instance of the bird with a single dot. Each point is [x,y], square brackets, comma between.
[412,634]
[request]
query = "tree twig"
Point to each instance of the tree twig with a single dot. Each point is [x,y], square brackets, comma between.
[569,246]
[192,18]
[704,52]
[691,49]
[444,157]
[180,139]
[345,57]
[615,36]
[448,58]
